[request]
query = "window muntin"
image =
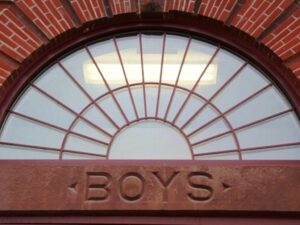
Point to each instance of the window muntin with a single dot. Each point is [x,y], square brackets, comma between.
[214,103]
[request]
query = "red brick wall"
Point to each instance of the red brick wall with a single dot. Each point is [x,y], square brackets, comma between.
[27,24]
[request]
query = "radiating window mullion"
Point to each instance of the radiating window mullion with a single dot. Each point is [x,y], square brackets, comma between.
[177,78]
[190,119]
[57,127]
[231,109]
[70,110]
[126,79]
[160,75]
[143,74]
[196,84]
[109,89]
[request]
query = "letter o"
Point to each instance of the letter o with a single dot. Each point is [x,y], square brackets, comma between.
[132,186]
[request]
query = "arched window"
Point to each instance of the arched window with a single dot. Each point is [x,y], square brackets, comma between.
[151,96]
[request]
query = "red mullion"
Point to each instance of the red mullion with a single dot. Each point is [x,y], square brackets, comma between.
[177,79]
[214,95]
[57,127]
[48,148]
[160,76]
[244,126]
[231,109]
[195,85]
[85,92]
[70,110]
[143,75]
[108,88]
[125,76]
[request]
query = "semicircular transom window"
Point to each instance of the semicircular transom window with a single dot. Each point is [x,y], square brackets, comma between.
[151,97]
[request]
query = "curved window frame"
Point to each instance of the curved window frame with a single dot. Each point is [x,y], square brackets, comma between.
[227,41]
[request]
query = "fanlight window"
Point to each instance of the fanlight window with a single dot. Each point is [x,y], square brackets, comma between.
[151,97]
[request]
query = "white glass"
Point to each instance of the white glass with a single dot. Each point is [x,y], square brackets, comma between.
[173,56]
[83,145]
[159,141]
[82,67]
[9,152]
[152,51]
[129,48]
[107,59]
[244,85]
[33,104]
[23,131]
[198,56]
[57,84]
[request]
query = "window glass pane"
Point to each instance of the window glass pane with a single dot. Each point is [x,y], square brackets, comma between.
[23,131]
[56,83]
[225,156]
[73,156]
[14,152]
[194,103]
[260,107]
[222,68]
[173,56]
[195,62]
[138,96]
[98,118]
[126,103]
[152,51]
[33,104]
[220,144]
[90,131]
[129,48]
[244,85]
[153,144]
[83,69]
[286,153]
[284,129]
[165,95]
[76,143]
[111,108]
[108,61]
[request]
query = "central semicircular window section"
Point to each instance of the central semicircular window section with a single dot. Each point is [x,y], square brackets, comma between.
[151,97]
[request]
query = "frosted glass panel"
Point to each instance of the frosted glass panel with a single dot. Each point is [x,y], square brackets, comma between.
[152,50]
[233,94]
[8,152]
[226,156]
[33,104]
[260,107]
[197,58]
[111,108]
[153,144]
[108,102]
[220,144]
[108,61]
[22,131]
[75,143]
[284,129]
[222,68]
[286,153]
[174,52]
[56,83]
[82,67]
[131,57]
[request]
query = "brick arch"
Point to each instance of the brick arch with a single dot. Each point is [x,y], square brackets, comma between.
[29,25]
